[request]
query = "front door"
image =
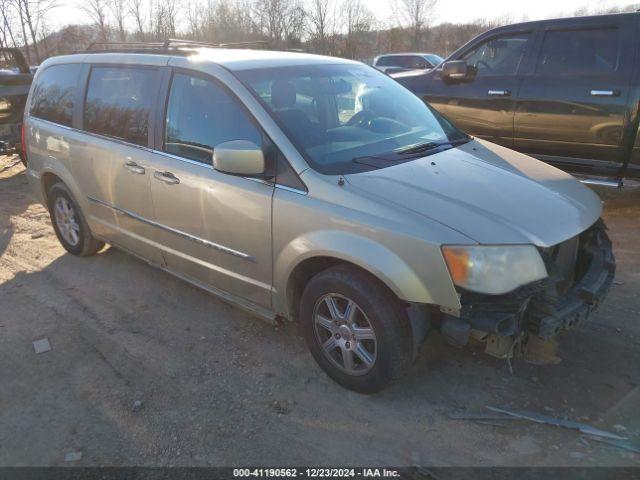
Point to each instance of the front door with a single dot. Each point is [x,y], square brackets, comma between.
[117,111]
[214,228]
[574,102]
[483,104]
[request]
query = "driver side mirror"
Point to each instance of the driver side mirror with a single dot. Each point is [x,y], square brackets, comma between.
[239,157]
[455,70]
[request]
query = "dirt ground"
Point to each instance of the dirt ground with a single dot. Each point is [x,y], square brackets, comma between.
[218,387]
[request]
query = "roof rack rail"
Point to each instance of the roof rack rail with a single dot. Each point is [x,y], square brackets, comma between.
[169,44]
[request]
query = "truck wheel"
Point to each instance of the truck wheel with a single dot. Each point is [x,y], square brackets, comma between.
[355,328]
[69,223]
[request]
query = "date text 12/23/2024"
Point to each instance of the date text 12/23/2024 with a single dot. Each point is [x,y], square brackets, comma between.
[316,473]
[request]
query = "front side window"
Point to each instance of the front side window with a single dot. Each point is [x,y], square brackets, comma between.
[498,56]
[54,94]
[119,101]
[349,118]
[416,62]
[579,52]
[201,115]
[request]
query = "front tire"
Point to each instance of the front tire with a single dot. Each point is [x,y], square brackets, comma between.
[356,329]
[69,223]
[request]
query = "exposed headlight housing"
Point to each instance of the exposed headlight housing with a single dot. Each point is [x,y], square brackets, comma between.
[493,269]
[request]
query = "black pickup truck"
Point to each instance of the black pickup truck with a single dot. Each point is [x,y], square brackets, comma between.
[565,91]
[15,80]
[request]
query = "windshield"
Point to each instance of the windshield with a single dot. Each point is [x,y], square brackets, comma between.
[350,118]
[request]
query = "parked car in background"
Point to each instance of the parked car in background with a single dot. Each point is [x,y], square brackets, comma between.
[15,80]
[314,189]
[401,62]
[565,91]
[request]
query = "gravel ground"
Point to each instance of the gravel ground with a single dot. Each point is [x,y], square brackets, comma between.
[146,370]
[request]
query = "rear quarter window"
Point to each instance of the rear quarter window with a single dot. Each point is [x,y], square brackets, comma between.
[55,94]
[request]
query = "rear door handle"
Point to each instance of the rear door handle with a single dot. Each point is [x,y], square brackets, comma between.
[134,167]
[605,93]
[167,177]
[499,93]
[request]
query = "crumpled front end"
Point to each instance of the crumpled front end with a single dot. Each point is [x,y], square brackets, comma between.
[581,272]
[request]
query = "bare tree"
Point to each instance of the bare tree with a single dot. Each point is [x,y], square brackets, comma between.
[97,11]
[295,24]
[414,15]
[322,23]
[6,27]
[359,20]
[136,10]
[278,20]
[164,14]
[119,12]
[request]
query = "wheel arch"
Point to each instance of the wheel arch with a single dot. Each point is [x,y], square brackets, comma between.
[54,173]
[305,257]
[48,179]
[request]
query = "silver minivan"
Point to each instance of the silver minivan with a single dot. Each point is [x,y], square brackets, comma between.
[318,190]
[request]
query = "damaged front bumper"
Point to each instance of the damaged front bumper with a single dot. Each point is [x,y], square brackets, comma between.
[581,272]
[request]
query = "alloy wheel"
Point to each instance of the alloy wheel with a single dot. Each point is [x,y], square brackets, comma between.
[66,221]
[344,333]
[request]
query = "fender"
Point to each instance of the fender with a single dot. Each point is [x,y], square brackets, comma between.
[57,168]
[369,255]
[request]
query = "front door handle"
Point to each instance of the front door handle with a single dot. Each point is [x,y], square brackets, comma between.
[499,93]
[167,177]
[605,93]
[134,167]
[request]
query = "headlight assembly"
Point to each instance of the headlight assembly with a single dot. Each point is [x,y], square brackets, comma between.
[493,269]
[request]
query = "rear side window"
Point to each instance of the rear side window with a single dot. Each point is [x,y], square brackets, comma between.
[201,115]
[54,94]
[119,102]
[580,52]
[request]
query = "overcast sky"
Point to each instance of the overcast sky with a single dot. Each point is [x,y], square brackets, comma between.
[456,11]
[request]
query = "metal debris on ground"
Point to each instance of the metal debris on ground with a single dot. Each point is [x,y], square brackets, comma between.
[570,424]
[42,345]
[72,456]
[623,444]
[460,415]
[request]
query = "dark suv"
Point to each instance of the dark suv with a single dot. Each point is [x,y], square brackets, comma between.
[565,91]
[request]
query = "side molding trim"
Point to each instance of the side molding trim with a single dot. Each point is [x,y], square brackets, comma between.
[201,241]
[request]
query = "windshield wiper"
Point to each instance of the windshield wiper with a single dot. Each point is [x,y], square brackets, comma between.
[426,146]
[408,153]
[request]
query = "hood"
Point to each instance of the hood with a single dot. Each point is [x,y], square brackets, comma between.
[489,193]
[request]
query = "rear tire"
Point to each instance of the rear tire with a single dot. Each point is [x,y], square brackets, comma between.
[356,329]
[69,223]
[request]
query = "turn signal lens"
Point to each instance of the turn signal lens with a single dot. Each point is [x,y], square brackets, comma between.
[458,262]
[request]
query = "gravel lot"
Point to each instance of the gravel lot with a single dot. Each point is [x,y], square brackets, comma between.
[217,387]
